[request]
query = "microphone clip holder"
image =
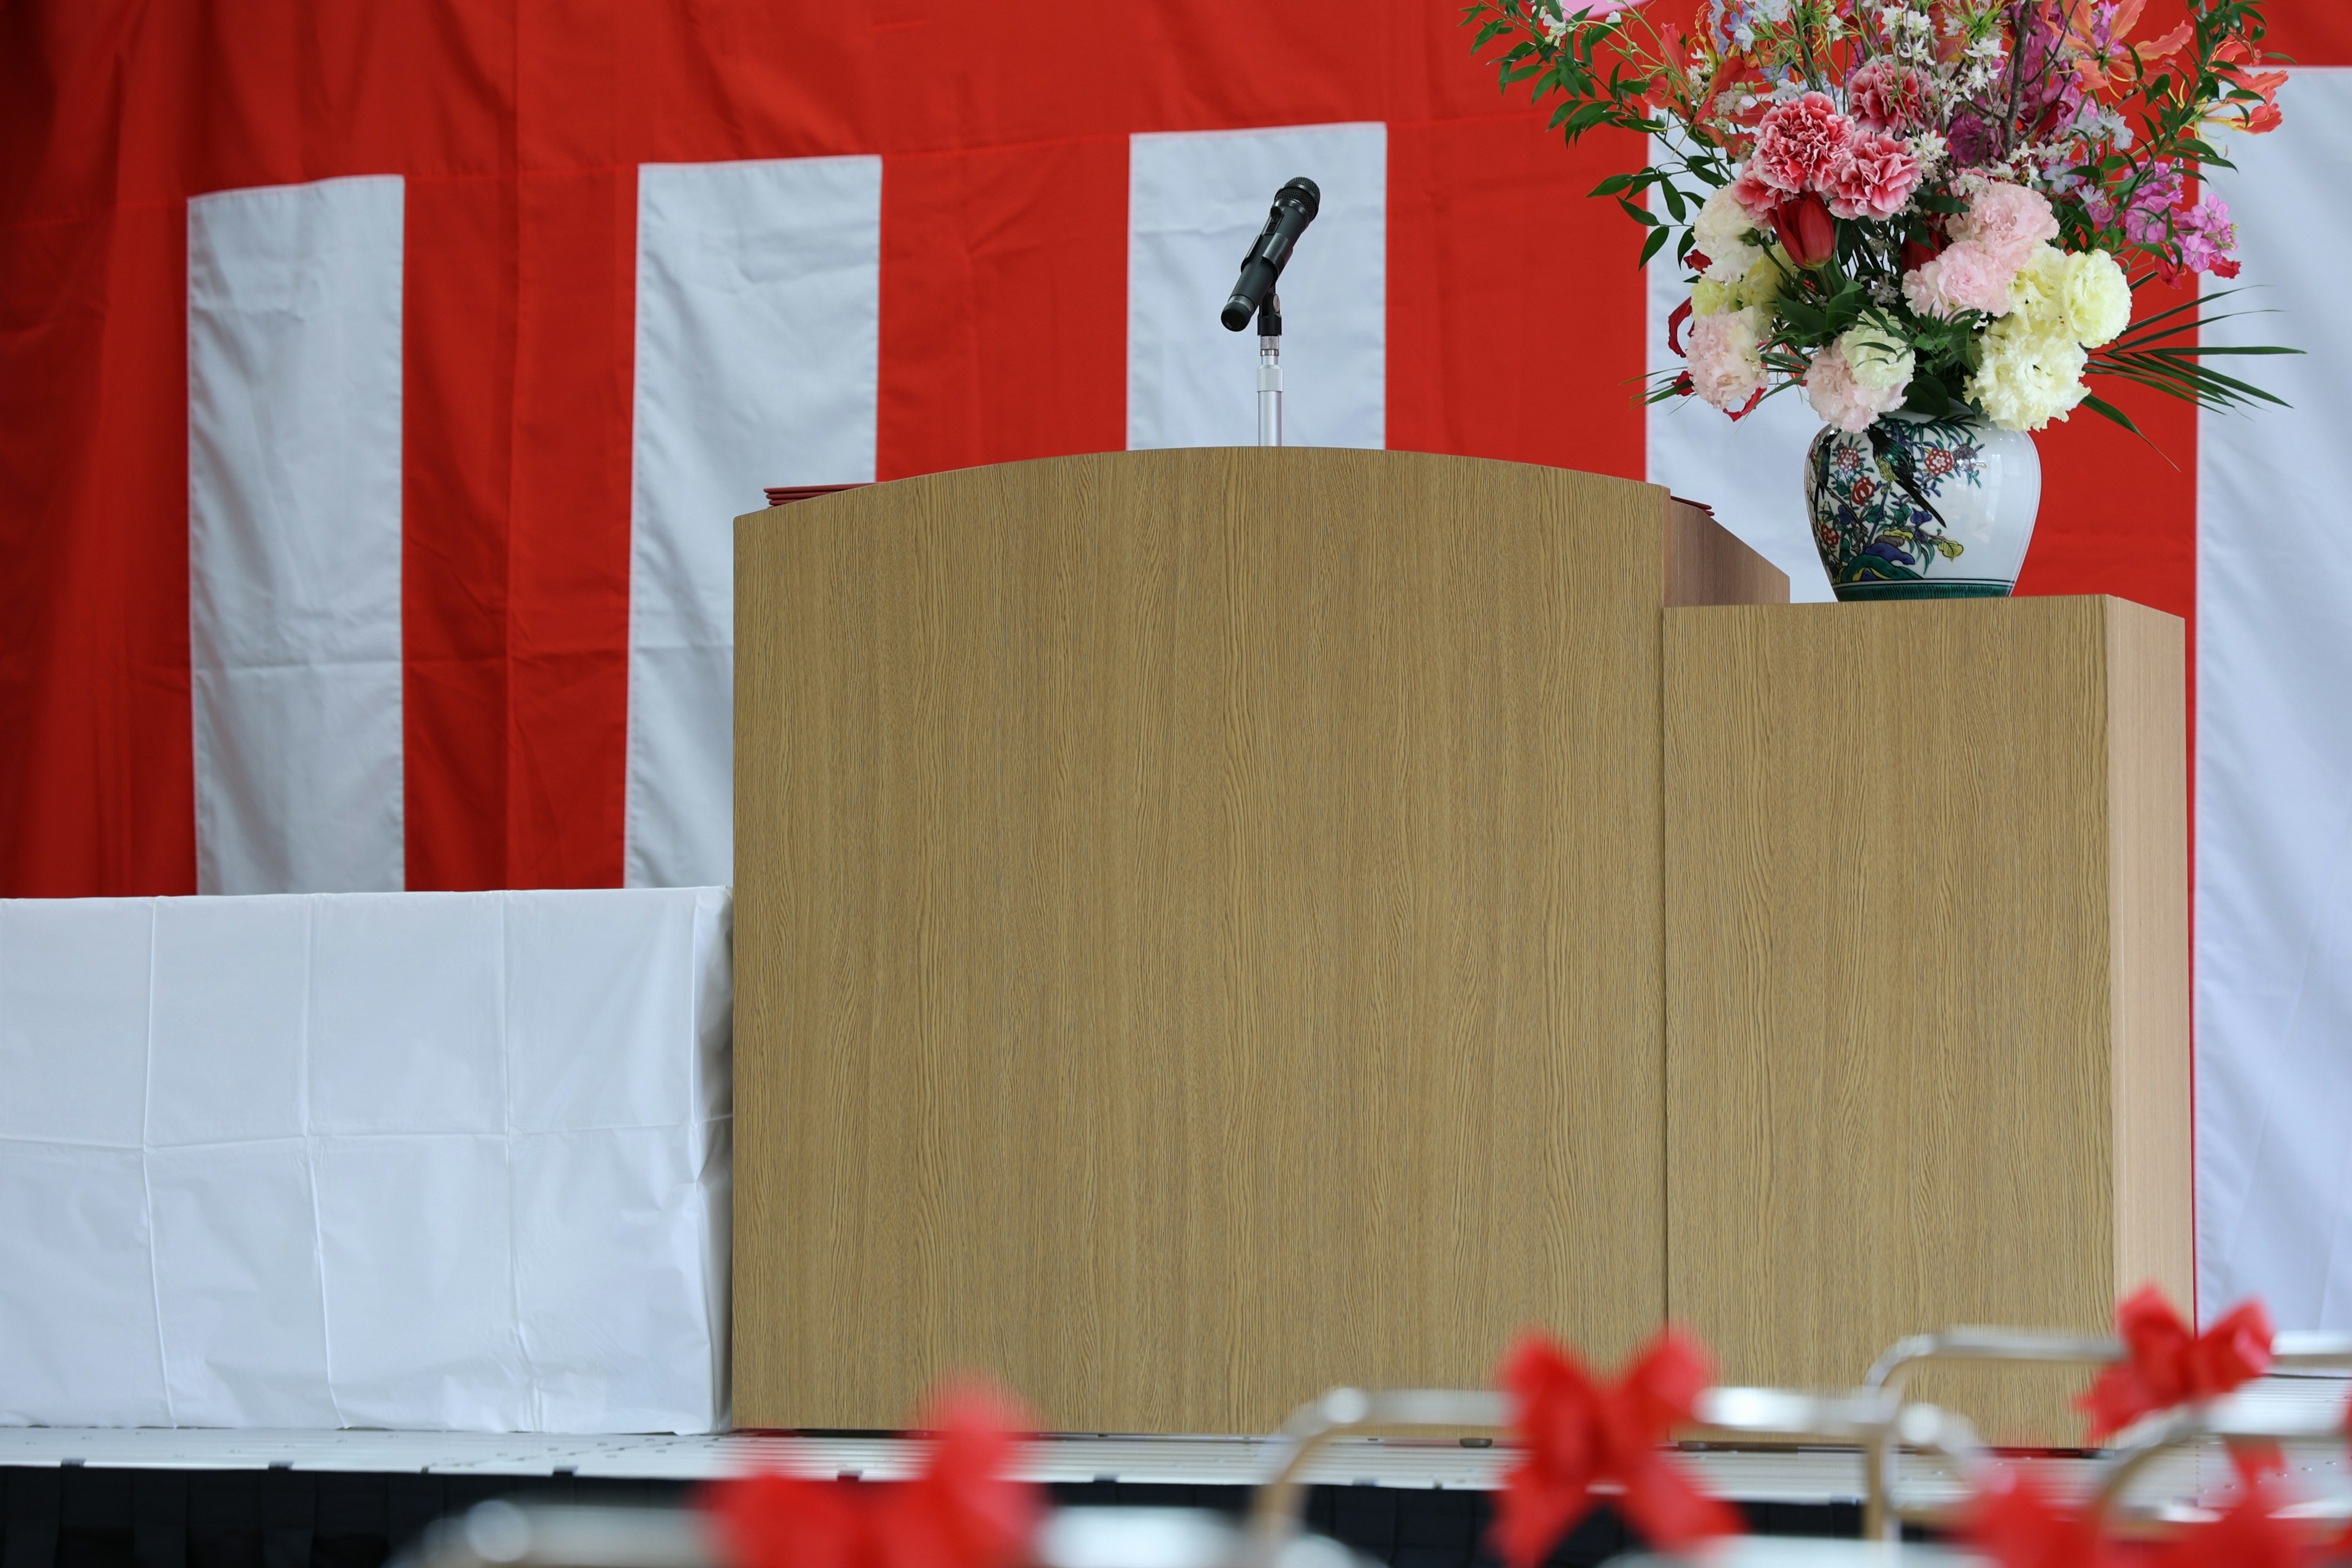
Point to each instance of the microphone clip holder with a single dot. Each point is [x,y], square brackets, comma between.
[1269,370]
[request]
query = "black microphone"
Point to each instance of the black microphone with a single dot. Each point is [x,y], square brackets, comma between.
[1295,206]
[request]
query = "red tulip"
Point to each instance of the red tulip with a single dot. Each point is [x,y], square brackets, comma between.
[1807,231]
[1916,254]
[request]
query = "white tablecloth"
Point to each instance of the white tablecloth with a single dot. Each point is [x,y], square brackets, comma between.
[449,1161]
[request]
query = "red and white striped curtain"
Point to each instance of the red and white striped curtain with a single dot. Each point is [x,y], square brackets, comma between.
[380,380]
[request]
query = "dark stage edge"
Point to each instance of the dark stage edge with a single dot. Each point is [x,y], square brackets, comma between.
[78,1516]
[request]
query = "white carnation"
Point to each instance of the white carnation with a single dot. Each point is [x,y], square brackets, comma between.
[1733,265]
[1721,234]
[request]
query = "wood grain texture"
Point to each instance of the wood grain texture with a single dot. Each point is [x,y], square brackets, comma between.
[1706,563]
[1199,932]
[1926,1002]
[2149,872]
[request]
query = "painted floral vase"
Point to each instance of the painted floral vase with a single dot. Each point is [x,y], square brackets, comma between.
[1920,507]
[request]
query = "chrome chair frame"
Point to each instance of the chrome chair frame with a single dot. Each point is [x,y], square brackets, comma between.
[1882,1513]
[1872,1418]
[1771,1414]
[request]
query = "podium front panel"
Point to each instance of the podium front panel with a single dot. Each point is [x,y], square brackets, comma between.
[1199,933]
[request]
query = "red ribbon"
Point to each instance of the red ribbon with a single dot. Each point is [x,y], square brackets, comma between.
[2018,1524]
[2247,1535]
[1674,328]
[1579,1434]
[961,1512]
[2171,1365]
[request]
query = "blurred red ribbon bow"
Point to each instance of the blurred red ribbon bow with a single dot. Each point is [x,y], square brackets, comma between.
[1579,1433]
[2249,1534]
[961,1512]
[2018,1524]
[2168,1365]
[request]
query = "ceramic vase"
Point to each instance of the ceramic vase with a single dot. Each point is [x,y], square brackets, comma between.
[1920,507]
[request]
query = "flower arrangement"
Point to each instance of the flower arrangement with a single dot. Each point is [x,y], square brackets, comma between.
[1941,207]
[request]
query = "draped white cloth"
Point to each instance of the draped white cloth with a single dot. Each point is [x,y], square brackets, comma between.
[450,1161]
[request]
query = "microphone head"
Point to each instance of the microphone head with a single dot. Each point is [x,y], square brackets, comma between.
[1304,192]
[1237,313]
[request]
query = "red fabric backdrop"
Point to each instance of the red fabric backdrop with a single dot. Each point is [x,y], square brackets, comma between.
[1515,323]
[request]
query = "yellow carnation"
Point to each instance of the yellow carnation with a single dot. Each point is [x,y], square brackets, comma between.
[1880,362]
[2097,299]
[2038,292]
[2030,372]
[1712,299]
[1764,281]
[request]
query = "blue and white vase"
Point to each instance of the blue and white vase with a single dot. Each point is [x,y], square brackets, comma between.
[1920,507]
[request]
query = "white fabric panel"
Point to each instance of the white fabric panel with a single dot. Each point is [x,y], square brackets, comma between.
[1195,201]
[758,343]
[406,1035]
[438,1161]
[77,1339]
[2275,745]
[294,460]
[228,1019]
[589,982]
[603,1347]
[416,1238]
[73,1020]
[244,1335]
[1751,473]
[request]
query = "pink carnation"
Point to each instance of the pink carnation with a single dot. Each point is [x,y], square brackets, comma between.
[1725,368]
[1798,144]
[1967,277]
[1873,177]
[1888,98]
[1760,199]
[1837,397]
[2008,221]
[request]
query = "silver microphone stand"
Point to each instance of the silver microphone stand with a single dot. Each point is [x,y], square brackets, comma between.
[1269,370]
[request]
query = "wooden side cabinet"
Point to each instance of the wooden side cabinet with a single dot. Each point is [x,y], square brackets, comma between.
[1926,998]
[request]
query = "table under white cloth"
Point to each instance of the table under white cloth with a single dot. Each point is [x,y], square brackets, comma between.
[443,1160]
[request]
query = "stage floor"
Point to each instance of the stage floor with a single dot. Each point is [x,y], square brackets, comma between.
[1812,1476]
[1791,1476]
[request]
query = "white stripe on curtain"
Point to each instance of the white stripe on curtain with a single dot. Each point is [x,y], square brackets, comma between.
[2275,744]
[294,467]
[758,320]
[1196,200]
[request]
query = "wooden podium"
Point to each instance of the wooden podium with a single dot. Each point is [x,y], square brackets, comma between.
[1215,924]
